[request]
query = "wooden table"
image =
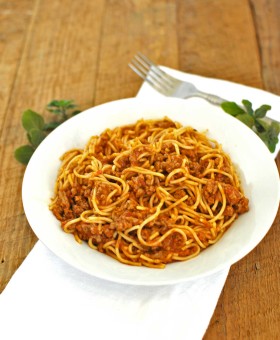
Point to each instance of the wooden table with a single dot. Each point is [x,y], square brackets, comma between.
[64,49]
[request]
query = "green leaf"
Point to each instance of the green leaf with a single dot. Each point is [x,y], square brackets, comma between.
[232,108]
[66,104]
[36,137]
[261,111]
[256,120]
[274,130]
[28,137]
[37,129]
[275,127]
[270,136]
[248,106]
[56,111]
[246,118]
[54,102]
[264,138]
[261,125]
[32,120]
[24,153]
[269,141]
[51,126]
[74,113]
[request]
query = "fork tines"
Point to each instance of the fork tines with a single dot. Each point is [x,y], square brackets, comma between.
[151,73]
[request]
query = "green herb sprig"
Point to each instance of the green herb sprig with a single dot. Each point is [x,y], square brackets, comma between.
[256,120]
[37,129]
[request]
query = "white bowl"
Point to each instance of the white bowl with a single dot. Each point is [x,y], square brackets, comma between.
[255,164]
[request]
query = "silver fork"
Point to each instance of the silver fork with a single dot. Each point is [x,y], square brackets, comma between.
[166,84]
[170,86]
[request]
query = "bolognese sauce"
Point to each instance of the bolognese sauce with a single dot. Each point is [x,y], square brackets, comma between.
[149,193]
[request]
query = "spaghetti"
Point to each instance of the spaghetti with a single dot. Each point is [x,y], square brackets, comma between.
[148,194]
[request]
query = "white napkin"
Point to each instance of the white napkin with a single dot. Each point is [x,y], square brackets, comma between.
[48,299]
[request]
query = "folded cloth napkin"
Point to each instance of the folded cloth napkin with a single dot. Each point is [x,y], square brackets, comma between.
[48,299]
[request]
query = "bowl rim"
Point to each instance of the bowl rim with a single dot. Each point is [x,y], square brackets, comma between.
[140,104]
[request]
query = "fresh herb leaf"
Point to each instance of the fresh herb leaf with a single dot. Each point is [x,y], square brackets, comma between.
[261,111]
[248,106]
[55,111]
[36,136]
[261,125]
[247,119]
[51,126]
[270,136]
[74,113]
[69,104]
[24,153]
[37,129]
[232,108]
[273,133]
[60,107]
[256,120]
[31,120]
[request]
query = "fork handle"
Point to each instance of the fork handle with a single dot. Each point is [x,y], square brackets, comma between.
[216,100]
[211,98]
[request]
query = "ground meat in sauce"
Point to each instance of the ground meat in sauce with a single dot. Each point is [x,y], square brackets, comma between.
[134,157]
[236,202]
[210,191]
[142,185]
[72,202]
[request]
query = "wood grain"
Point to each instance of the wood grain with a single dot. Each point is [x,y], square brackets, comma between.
[211,43]
[16,237]
[15,17]
[80,50]
[248,307]
[266,19]
[55,60]
[148,26]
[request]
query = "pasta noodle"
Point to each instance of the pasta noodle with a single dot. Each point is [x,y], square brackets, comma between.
[149,193]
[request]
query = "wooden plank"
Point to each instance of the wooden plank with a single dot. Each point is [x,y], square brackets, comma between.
[210,42]
[15,18]
[266,14]
[57,61]
[251,286]
[129,27]
[214,47]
